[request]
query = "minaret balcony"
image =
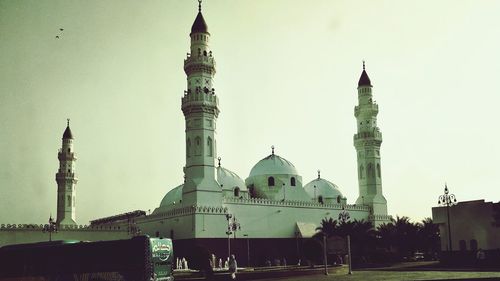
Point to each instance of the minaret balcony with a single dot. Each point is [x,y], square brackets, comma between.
[368,135]
[64,155]
[200,59]
[371,109]
[200,99]
[63,176]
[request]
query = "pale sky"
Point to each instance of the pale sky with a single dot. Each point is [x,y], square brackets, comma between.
[287,73]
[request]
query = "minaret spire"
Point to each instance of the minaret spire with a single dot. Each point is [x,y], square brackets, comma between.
[367,142]
[200,108]
[66,180]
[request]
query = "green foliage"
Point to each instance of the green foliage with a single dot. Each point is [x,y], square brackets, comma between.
[391,241]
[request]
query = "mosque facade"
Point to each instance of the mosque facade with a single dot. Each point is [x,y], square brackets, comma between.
[272,207]
[271,210]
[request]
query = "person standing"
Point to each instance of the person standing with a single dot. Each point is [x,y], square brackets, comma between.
[233,267]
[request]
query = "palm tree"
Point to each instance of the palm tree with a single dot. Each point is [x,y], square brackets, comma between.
[429,236]
[328,227]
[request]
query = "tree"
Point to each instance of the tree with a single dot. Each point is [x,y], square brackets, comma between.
[429,236]
[328,227]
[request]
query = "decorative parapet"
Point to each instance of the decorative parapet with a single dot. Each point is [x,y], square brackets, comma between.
[386,218]
[187,210]
[40,227]
[295,204]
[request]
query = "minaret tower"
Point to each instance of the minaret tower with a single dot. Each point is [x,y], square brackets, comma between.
[66,181]
[367,142]
[200,108]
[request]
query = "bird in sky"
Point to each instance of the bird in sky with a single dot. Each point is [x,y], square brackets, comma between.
[61,30]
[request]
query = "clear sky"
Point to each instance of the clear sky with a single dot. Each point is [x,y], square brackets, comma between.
[287,74]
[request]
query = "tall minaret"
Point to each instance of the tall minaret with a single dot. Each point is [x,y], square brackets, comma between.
[367,142]
[200,108]
[66,181]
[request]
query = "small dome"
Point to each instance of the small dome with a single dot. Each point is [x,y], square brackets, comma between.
[229,180]
[323,188]
[273,165]
[172,197]
[199,24]
[67,133]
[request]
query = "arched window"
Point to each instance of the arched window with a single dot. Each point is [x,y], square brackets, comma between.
[205,53]
[369,171]
[378,170]
[462,245]
[68,199]
[197,146]
[361,171]
[292,181]
[199,52]
[236,192]
[270,181]
[188,148]
[320,199]
[209,147]
[69,150]
[473,245]
[251,191]
[338,199]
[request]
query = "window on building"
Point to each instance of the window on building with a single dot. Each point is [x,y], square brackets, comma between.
[188,148]
[197,148]
[338,199]
[69,150]
[251,191]
[320,199]
[68,200]
[292,181]
[361,171]
[236,192]
[205,53]
[462,245]
[270,181]
[369,171]
[209,147]
[473,245]
[378,170]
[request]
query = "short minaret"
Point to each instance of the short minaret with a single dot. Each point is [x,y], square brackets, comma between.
[367,142]
[66,181]
[200,108]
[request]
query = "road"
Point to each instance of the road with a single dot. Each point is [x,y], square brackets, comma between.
[393,275]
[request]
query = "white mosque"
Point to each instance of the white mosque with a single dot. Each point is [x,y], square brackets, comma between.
[271,210]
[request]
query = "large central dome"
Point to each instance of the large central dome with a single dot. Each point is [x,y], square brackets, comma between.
[273,165]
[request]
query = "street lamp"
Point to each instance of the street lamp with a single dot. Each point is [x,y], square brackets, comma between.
[248,249]
[232,226]
[343,218]
[448,200]
[51,227]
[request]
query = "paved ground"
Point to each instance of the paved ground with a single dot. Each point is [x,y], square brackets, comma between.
[370,275]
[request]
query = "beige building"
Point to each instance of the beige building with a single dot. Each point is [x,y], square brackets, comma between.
[474,225]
